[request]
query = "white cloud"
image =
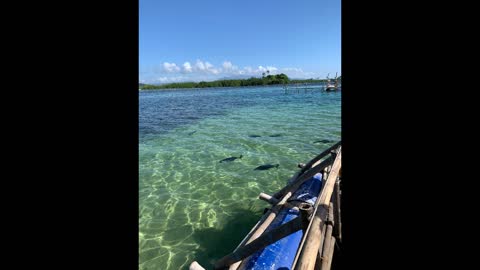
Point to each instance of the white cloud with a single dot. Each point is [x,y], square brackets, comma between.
[261,69]
[208,65]
[229,68]
[199,65]
[170,67]
[293,72]
[293,69]
[169,79]
[211,69]
[187,67]
[227,65]
[206,71]
[273,70]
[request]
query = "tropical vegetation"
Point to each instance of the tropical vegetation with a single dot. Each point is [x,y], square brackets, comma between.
[265,80]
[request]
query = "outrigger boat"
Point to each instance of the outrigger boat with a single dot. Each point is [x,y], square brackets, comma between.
[301,227]
[332,84]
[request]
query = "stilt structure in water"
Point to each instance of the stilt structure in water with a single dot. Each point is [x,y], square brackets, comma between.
[329,86]
[303,89]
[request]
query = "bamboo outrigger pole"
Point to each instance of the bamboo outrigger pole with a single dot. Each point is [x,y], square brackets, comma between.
[303,174]
[308,250]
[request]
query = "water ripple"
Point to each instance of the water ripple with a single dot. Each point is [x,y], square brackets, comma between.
[191,206]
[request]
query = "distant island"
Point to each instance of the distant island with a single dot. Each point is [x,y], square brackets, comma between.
[265,80]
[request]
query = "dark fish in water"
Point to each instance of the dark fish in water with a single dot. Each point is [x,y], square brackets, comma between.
[230,159]
[254,136]
[275,135]
[191,133]
[266,167]
[323,141]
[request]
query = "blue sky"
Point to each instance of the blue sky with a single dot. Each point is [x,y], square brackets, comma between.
[194,40]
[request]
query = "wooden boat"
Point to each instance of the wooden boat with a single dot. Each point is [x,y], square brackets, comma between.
[331,87]
[301,227]
[332,84]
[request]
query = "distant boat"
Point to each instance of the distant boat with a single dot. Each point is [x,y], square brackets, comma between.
[331,87]
[332,84]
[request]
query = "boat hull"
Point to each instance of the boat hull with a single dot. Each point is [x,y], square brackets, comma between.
[281,254]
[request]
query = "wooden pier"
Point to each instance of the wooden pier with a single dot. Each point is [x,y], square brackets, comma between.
[297,89]
[321,222]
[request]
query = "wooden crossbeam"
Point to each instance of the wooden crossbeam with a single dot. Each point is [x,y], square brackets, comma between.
[261,242]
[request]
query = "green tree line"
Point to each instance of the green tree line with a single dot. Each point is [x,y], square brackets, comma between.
[265,80]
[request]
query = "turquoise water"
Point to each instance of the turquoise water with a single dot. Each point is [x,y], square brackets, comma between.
[192,207]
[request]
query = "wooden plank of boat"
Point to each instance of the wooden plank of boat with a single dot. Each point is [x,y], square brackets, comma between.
[337,229]
[308,250]
[328,242]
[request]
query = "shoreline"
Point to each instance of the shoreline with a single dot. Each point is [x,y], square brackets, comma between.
[222,87]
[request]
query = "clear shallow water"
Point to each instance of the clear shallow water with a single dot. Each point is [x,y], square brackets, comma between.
[191,206]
